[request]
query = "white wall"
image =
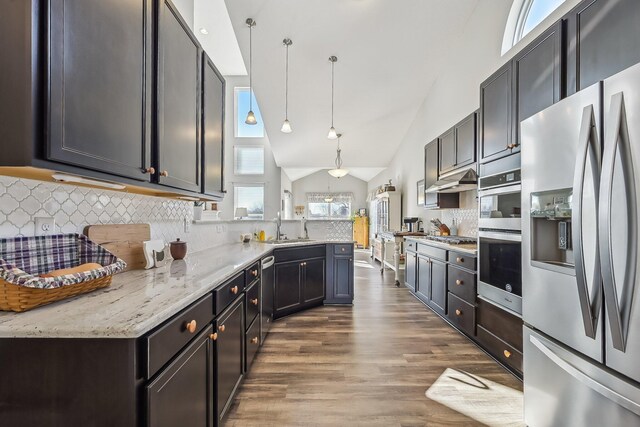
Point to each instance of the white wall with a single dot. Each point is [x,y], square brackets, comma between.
[321,180]
[272,173]
[455,94]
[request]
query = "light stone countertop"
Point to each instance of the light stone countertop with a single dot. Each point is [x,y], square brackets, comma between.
[468,248]
[137,301]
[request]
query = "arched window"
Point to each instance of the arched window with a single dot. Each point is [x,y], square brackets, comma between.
[525,15]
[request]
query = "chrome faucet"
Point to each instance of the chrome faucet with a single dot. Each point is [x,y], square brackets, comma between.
[278,226]
[306,232]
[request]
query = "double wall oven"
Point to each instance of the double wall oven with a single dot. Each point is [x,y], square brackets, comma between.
[500,240]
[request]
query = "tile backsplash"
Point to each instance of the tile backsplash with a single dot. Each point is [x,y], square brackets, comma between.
[466,216]
[22,200]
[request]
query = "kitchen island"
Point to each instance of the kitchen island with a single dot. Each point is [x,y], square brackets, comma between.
[164,345]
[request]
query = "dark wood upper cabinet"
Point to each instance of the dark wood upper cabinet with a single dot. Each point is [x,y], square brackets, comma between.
[466,140]
[447,148]
[435,200]
[181,394]
[602,39]
[495,115]
[537,76]
[99,85]
[179,80]
[213,101]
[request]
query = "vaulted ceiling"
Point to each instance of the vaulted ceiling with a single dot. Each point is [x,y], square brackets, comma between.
[389,54]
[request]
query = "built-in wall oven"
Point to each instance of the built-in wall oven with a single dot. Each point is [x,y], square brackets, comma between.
[500,240]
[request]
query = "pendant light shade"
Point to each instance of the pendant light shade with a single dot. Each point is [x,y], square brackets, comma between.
[338,172]
[286,125]
[251,118]
[332,131]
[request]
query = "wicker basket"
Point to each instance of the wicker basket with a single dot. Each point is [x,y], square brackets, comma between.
[24,259]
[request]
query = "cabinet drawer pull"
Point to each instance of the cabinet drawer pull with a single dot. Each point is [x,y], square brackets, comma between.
[191,326]
[343,249]
[254,301]
[221,328]
[458,259]
[254,340]
[149,171]
[214,336]
[234,290]
[254,273]
[458,312]
[507,354]
[459,282]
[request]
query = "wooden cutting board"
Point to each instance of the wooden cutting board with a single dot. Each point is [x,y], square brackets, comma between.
[122,240]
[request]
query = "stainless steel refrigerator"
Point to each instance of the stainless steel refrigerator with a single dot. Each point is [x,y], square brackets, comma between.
[580,279]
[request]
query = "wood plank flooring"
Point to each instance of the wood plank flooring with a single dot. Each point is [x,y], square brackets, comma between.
[386,361]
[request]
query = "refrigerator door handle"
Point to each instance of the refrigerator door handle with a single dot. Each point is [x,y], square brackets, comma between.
[588,149]
[586,379]
[617,140]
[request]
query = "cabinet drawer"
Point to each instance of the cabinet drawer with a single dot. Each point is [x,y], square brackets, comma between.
[252,273]
[463,260]
[462,314]
[223,295]
[410,245]
[253,342]
[166,342]
[300,253]
[500,323]
[462,283]
[432,252]
[500,349]
[342,249]
[253,302]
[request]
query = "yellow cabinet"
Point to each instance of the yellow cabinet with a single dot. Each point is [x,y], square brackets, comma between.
[361,231]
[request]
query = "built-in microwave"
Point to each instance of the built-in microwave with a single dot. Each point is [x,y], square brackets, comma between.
[500,268]
[499,208]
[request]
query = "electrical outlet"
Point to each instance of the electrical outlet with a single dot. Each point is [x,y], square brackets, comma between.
[187,225]
[45,226]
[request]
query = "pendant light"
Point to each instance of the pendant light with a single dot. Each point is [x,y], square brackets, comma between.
[251,118]
[338,172]
[332,131]
[286,126]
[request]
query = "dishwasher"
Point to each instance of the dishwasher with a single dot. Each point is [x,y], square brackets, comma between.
[268,288]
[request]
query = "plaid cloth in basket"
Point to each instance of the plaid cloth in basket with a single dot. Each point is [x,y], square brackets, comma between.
[23,259]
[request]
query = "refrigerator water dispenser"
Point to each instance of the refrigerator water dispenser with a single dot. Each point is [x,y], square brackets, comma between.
[551,240]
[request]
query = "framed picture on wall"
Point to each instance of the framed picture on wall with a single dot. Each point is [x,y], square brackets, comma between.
[420,190]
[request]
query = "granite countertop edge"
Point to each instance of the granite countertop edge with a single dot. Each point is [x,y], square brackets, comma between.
[140,300]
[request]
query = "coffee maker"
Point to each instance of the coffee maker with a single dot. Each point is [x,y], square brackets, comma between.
[412,224]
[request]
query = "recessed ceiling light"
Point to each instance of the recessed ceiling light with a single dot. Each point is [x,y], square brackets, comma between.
[204,31]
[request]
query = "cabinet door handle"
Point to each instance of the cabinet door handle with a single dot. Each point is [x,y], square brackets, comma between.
[254,301]
[458,312]
[149,171]
[221,328]
[459,282]
[343,249]
[164,173]
[459,259]
[214,336]
[234,290]
[191,326]
[254,340]
[507,354]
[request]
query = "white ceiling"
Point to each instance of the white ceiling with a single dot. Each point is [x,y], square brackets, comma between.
[389,54]
[365,174]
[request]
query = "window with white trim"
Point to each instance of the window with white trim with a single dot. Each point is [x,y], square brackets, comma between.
[250,196]
[248,160]
[329,205]
[243,130]
[526,15]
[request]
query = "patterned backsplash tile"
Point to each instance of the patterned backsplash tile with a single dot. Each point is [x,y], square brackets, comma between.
[22,200]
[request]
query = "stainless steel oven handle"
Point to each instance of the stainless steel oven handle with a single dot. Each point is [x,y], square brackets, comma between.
[496,235]
[618,309]
[587,150]
[585,379]
[500,190]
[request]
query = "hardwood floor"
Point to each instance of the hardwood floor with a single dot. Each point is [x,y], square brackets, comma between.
[386,361]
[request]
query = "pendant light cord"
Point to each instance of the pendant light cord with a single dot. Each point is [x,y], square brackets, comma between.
[332,88]
[250,67]
[286,87]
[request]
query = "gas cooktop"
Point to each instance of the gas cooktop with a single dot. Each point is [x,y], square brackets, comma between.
[452,240]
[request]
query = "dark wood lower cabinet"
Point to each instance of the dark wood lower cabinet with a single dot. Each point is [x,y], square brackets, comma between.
[182,392]
[299,284]
[423,284]
[339,276]
[411,268]
[288,287]
[314,281]
[438,300]
[230,363]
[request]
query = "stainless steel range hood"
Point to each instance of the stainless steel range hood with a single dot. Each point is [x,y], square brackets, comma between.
[456,183]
